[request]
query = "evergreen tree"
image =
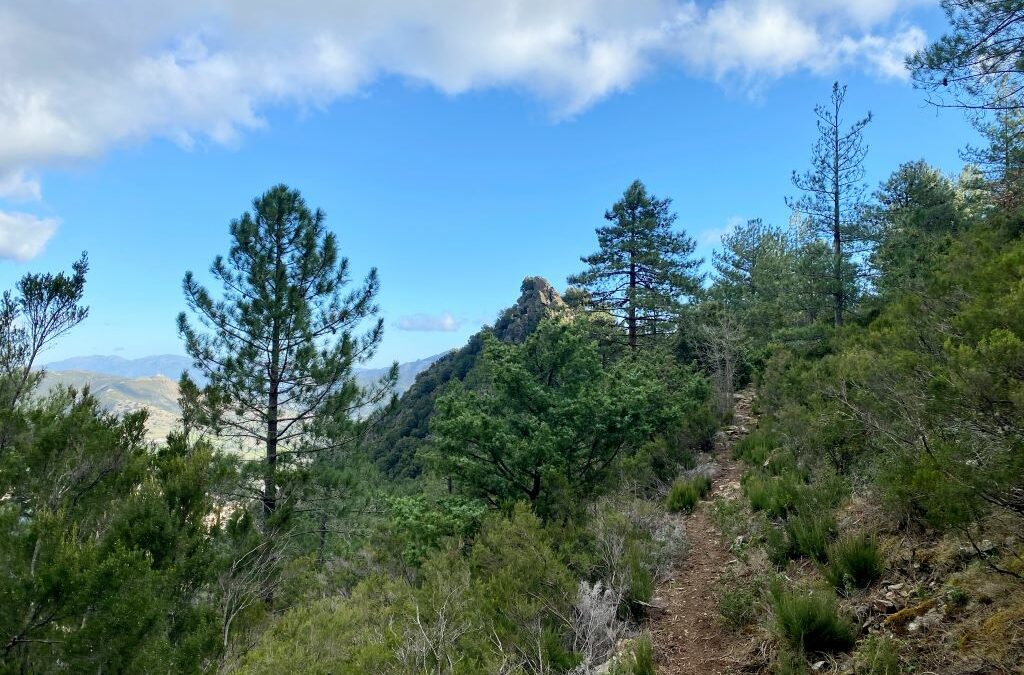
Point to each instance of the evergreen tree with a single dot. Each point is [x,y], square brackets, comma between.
[644,269]
[913,215]
[45,307]
[980,63]
[549,421]
[108,558]
[750,275]
[279,346]
[1002,162]
[833,191]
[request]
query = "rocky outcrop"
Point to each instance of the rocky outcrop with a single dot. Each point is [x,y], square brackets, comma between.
[398,431]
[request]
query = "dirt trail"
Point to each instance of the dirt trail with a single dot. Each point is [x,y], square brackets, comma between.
[689,638]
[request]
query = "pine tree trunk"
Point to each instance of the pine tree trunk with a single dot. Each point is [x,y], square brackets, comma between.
[269,482]
[631,321]
[837,236]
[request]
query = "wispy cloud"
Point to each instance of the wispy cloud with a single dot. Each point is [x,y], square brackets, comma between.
[713,235]
[18,186]
[443,322]
[23,236]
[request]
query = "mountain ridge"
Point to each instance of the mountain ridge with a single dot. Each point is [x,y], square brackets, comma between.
[151,383]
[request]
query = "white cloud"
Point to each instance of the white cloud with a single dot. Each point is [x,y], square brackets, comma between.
[23,236]
[443,322]
[713,236]
[755,41]
[79,77]
[16,185]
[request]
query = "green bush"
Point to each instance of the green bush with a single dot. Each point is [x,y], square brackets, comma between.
[776,544]
[641,586]
[639,661]
[788,662]
[808,534]
[877,656]
[737,602]
[775,495]
[854,561]
[811,622]
[755,447]
[684,494]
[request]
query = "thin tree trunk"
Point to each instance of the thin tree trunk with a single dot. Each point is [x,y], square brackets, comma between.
[269,482]
[837,236]
[632,304]
[322,545]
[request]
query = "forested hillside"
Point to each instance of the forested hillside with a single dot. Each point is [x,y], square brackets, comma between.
[576,490]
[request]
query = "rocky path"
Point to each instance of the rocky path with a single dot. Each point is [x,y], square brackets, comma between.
[689,638]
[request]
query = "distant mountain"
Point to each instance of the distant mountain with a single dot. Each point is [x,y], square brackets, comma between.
[407,372]
[171,366]
[126,385]
[121,395]
[165,365]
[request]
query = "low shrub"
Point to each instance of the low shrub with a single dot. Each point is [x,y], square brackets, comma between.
[808,534]
[685,493]
[788,662]
[639,660]
[738,602]
[811,622]
[775,495]
[877,656]
[854,561]
[775,543]
[641,587]
[755,447]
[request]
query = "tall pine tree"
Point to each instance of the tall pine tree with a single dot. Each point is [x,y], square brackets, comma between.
[833,190]
[278,347]
[644,269]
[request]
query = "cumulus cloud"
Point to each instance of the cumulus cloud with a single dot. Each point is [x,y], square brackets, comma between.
[79,77]
[443,322]
[23,236]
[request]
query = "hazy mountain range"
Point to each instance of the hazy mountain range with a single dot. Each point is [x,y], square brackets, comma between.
[151,382]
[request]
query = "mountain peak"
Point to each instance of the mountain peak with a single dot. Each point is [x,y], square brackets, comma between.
[537,300]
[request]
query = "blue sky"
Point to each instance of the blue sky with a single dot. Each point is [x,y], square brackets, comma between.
[455,182]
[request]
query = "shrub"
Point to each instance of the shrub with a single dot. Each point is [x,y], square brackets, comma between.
[775,495]
[811,622]
[684,494]
[877,656]
[737,602]
[755,447]
[639,660]
[808,534]
[854,561]
[775,544]
[641,586]
[788,662]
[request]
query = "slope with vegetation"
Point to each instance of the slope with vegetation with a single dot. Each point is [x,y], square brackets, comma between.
[551,497]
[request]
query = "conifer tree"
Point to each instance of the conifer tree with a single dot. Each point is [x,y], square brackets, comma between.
[833,190]
[978,64]
[278,347]
[644,269]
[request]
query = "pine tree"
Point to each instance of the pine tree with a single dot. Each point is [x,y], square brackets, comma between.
[644,269]
[279,346]
[751,269]
[978,64]
[913,216]
[834,190]
[1002,161]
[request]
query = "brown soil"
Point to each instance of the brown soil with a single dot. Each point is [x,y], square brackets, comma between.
[689,638]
